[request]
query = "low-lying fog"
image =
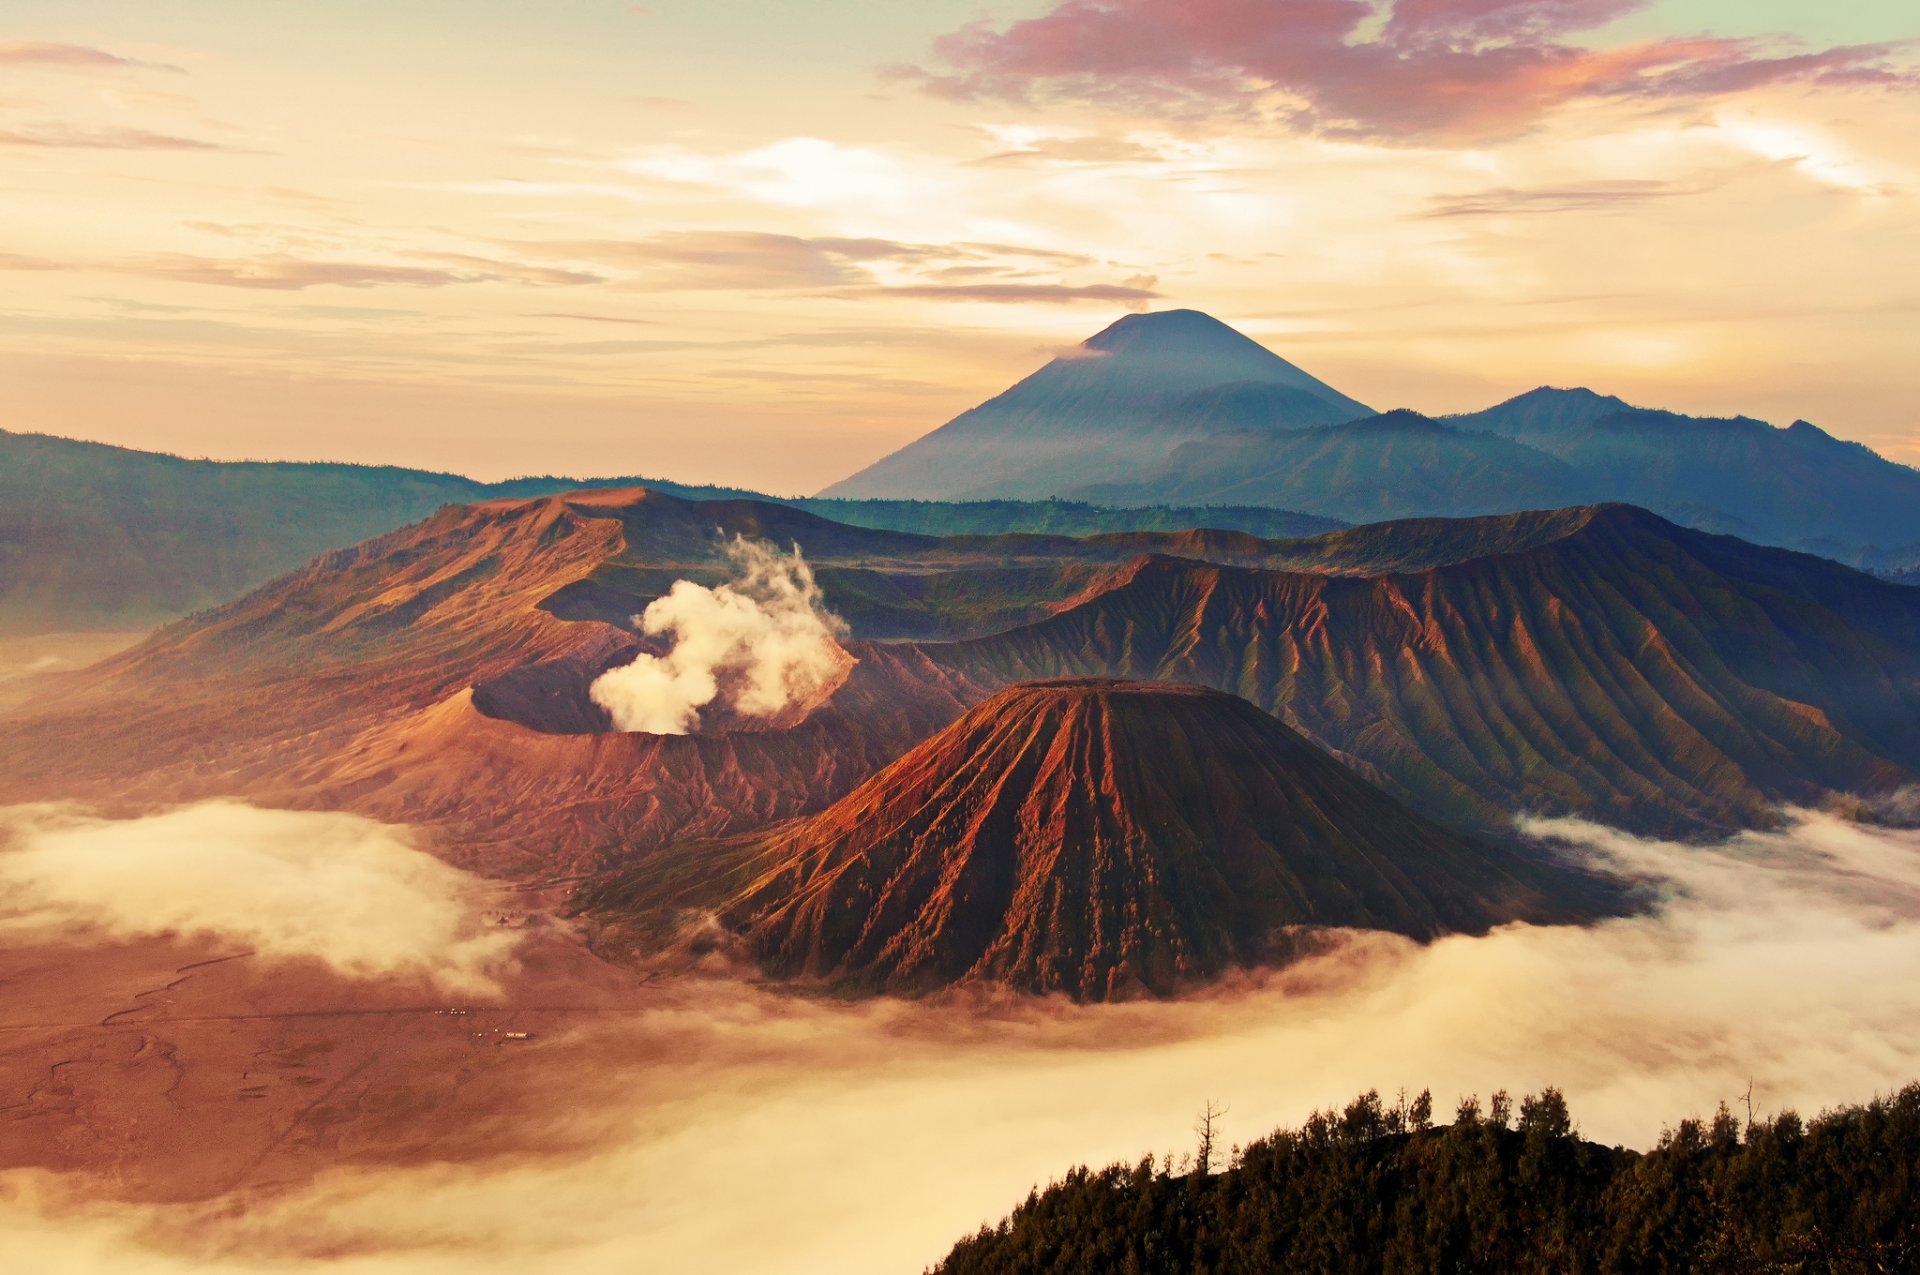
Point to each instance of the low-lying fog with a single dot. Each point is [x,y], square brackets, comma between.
[722,1127]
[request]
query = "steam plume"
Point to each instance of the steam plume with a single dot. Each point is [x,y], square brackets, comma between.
[337,888]
[766,641]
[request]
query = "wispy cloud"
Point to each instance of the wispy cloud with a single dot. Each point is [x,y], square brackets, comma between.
[1076,151]
[728,259]
[19,261]
[594,318]
[490,270]
[65,137]
[73,57]
[1597,196]
[1013,293]
[698,260]
[291,274]
[1436,71]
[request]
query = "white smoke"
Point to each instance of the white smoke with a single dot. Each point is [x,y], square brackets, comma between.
[765,640]
[346,891]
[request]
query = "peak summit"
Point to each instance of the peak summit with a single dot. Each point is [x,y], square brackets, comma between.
[1164,328]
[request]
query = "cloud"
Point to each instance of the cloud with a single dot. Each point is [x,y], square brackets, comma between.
[1590,197]
[61,137]
[653,102]
[759,645]
[801,172]
[281,273]
[595,318]
[76,57]
[736,259]
[1436,71]
[353,894]
[1014,293]
[700,260]
[490,270]
[1787,960]
[1077,151]
[19,261]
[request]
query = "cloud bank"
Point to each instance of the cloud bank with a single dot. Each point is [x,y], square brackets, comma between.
[353,894]
[760,645]
[748,1132]
[1442,71]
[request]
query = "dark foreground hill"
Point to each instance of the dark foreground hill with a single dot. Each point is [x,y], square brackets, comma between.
[1102,839]
[1378,1189]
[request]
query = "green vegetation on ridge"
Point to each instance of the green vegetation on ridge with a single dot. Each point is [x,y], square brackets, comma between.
[1379,1188]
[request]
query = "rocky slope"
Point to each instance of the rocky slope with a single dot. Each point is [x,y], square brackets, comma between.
[1600,662]
[1100,838]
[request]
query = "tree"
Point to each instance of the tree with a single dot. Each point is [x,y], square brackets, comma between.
[1203,1158]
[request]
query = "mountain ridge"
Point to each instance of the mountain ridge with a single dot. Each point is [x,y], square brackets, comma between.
[97,536]
[1594,662]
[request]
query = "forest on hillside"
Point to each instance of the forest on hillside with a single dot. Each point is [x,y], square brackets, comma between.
[1379,1187]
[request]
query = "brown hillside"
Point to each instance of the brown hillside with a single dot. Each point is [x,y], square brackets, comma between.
[1627,670]
[1101,838]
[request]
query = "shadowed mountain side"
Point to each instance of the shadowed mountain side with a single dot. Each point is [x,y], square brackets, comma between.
[94,536]
[1397,465]
[1797,486]
[1102,839]
[1106,411]
[1631,671]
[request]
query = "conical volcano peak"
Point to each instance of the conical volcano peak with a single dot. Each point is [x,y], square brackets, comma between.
[1172,329]
[1113,408]
[1099,839]
[1189,351]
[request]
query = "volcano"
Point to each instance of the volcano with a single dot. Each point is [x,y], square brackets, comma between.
[1107,410]
[1102,839]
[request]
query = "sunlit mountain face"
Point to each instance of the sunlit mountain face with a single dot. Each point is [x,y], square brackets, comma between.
[1380,733]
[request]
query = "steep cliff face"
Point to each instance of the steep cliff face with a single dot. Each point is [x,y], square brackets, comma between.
[1101,839]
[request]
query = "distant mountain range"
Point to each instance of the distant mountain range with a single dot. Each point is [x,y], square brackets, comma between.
[100,537]
[1176,407]
[1161,422]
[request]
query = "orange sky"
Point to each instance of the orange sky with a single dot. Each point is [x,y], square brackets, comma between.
[765,243]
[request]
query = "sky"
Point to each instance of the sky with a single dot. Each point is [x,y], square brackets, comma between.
[766,243]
